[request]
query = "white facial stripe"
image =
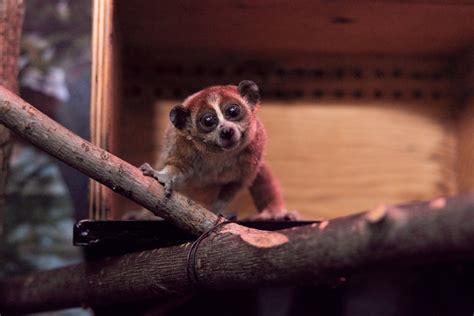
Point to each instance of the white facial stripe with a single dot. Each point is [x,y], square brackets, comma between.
[213,100]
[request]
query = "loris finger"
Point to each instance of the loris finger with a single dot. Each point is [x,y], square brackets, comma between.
[147,169]
[168,186]
[166,180]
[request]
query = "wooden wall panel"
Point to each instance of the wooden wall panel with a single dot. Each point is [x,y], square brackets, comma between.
[466,148]
[333,158]
[359,98]
[266,27]
[381,131]
[105,98]
[466,123]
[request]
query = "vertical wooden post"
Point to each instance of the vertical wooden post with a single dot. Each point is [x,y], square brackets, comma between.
[105,80]
[466,124]
[11,21]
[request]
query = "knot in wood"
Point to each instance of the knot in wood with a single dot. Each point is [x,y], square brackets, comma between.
[376,215]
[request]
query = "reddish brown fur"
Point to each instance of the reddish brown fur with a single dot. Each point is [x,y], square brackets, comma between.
[203,171]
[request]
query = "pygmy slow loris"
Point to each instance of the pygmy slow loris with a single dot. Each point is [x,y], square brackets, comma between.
[215,147]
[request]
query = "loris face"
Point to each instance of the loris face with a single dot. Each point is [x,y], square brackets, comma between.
[219,118]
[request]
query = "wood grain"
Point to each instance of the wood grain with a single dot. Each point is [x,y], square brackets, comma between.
[465,123]
[333,159]
[333,154]
[466,148]
[106,79]
[267,27]
[382,132]
[11,21]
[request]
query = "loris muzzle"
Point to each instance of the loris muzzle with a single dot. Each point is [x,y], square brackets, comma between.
[214,148]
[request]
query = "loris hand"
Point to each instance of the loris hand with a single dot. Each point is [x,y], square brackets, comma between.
[162,176]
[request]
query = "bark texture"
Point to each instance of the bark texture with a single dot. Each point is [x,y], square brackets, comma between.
[235,257]
[11,21]
[100,165]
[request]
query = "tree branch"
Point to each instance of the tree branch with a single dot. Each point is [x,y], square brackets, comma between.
[120,176]
[236,257]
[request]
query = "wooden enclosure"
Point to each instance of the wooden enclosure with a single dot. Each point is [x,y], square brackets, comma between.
[364,102]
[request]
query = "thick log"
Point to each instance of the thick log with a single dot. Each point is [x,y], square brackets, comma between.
[235,257]
[100,165]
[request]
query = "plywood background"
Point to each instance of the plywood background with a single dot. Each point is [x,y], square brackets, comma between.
[334,159]
[361,100]
[345,133]
[105,97]
[264,27]
[465,125]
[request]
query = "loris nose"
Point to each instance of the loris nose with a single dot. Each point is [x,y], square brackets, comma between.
[227,133]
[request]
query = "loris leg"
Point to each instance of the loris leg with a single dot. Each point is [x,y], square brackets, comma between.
[168,176]
[267,196]
[226,193]
[266,192]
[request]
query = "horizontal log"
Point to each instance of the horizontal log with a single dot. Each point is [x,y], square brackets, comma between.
[237,257]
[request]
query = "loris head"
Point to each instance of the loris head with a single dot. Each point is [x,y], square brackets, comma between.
[219,118]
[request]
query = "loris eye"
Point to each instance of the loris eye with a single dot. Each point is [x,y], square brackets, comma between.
[209,121]
[232,111]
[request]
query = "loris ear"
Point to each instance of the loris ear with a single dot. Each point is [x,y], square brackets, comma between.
[249,90]
[179,115]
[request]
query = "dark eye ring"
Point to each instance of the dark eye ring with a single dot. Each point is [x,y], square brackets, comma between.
[209,121]
[232,111]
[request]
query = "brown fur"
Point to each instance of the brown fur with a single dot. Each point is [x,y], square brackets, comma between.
[196,162]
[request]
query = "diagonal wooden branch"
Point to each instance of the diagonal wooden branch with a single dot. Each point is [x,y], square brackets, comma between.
[234,257]
[120,176]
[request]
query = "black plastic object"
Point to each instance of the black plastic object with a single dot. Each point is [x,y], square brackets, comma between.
[103,238]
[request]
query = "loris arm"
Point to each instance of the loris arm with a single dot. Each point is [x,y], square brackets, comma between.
[169,176]
[267,196]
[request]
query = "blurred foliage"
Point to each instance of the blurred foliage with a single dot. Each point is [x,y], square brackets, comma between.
[56,36]
[56,33]
[38,234]
[54,67]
